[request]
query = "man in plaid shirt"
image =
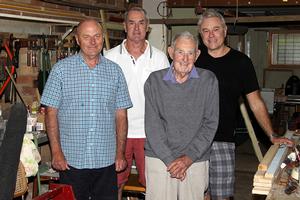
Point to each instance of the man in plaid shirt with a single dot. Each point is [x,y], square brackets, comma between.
[87,99]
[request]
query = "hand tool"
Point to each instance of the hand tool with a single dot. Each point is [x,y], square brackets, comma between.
[10,56]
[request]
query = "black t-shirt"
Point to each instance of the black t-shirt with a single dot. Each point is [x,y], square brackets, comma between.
[236,76]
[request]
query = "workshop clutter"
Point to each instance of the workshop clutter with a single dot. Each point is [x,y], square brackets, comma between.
[292,86]
[278,173]
[29,59]
[30,156]
[35,118]
[57,192]
[45,50]
[9,60]
[291,166]
[39,47]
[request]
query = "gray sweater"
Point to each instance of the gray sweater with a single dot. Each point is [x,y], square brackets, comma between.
[181,119]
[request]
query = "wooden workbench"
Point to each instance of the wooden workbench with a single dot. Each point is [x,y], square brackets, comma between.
[277,193]
[270,179]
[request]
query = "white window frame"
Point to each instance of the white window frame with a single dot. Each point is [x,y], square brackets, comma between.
[284,49]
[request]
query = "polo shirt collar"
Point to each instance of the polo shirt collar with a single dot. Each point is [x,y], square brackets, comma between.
[124,50]
[169,76]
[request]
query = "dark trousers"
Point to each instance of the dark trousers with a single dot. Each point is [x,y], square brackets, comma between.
[95,184]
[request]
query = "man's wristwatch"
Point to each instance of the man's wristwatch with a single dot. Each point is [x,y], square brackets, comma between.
[274,135]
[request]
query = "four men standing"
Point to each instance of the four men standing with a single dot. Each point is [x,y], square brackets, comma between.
[87,100]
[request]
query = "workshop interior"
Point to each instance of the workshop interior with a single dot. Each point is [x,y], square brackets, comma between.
[36,34]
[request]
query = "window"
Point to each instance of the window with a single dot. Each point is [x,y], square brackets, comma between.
[285,49]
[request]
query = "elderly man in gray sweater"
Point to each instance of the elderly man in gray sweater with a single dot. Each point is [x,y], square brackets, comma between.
[181,118]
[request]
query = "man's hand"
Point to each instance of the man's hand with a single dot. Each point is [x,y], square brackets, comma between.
[282,140]
[178,167]
[59,161]
[121,163]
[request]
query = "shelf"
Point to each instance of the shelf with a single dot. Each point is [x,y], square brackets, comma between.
[23,11]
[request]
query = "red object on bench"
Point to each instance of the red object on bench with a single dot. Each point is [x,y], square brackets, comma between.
[57,192]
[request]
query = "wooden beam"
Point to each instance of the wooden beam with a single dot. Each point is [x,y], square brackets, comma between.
[231,3]
[264,164]
[230,20]
[106,37]
[278,159]
[38,13]
[251,132]
[91,4]
[276,162]
[114,26]
[258,19]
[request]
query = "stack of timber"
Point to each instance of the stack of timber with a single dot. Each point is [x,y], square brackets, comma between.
[269,168]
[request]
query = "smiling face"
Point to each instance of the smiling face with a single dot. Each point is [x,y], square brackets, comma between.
[184,54]
[136,26]
[213,33]
[89,37]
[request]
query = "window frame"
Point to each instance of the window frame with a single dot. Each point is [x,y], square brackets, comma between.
[270,50]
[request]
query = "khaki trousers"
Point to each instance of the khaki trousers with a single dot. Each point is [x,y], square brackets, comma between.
[160,186]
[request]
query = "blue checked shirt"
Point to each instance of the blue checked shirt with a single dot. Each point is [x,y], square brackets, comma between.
[87,100]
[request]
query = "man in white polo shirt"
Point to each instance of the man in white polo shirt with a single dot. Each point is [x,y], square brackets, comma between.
[138,59]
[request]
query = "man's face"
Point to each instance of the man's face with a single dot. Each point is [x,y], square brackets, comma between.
[90,39]
[184,55]
[213,33]
[136,26]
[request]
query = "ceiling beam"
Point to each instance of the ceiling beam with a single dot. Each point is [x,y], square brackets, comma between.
[230,20]
[231,3]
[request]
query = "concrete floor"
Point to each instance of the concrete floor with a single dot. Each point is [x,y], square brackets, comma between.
[246,167]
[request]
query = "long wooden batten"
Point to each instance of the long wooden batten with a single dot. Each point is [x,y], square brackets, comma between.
[230,20]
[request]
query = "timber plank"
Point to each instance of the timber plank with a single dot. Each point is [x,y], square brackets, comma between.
[266,161]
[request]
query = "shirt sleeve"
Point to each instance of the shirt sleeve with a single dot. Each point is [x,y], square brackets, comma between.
[248,76]
[123,97]
[52,92]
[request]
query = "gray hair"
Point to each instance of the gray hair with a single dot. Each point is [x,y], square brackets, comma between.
[138,9]
[211,13]
[186,35]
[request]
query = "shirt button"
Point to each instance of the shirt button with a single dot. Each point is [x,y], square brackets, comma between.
[91,129]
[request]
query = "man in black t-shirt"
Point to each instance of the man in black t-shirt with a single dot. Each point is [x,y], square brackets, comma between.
[236,76]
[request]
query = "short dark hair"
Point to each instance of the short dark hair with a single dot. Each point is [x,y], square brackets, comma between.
[138,9]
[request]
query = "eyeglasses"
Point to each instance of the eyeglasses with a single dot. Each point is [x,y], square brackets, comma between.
[181,53]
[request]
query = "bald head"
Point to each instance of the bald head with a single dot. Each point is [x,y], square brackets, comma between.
[88,22]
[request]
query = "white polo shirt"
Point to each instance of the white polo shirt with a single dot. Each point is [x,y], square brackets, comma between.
[136,73]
